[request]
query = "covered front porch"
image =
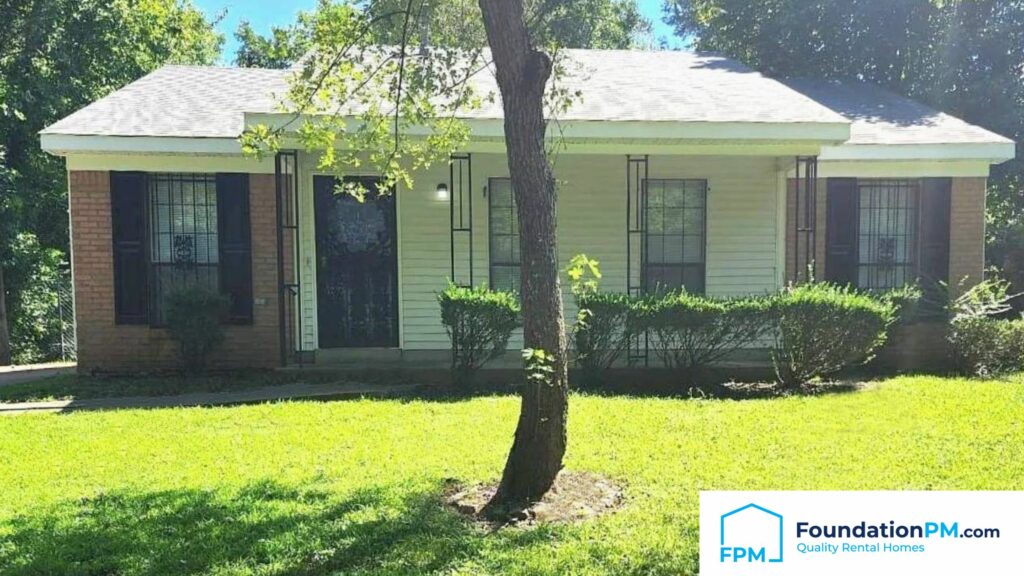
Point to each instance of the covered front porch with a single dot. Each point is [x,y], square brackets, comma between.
[367,275]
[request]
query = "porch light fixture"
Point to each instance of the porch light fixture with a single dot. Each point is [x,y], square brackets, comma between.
[442,191]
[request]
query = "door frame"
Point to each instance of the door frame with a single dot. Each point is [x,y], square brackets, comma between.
[309,180]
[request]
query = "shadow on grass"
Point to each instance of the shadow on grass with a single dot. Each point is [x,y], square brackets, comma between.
[670,387]
[263,528]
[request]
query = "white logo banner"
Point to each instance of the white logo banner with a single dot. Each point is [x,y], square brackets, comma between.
[875,533]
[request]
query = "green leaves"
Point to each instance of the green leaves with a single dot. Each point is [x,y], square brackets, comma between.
[479,323]
[823,328]
[584,273]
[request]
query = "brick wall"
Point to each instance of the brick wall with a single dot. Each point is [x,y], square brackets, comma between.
[966,235]
[967,232]
[104,345]
[793,211]
[920,346]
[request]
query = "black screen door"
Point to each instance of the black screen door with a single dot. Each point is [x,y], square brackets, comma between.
[357,267]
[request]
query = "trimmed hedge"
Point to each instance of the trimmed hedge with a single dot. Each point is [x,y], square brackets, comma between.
[479,323]
[691,332]
[983,344]
[986,346]
[602,333]
[821,329]
[194,322]
[813,330]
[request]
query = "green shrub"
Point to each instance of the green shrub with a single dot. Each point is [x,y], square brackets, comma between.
[987,346]
[908,304]
[690,332]
[194,321]
[33,281]
[821,329]
[601,333]
[982,344]
[479,323]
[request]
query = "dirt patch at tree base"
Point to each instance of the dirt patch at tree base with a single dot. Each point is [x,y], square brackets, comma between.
[575,497]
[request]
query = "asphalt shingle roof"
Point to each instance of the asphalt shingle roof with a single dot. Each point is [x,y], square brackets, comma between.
[616,85]
[180,101]
[879,116]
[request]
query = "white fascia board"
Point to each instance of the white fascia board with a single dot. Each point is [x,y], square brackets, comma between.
[169,163]
[824,132]
[662,148]
[991,152]
[901,169]
[66,144]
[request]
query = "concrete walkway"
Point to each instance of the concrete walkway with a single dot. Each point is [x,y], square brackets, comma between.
[19,374]
[254,395]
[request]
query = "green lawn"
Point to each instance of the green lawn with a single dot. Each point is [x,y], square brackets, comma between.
[353,487]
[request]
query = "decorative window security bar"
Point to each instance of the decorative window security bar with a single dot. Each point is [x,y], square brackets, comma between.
[803,219]
[460,187]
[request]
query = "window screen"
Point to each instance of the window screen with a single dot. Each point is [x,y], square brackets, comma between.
[887,233]
[183,236]
[504,235]
[674,238]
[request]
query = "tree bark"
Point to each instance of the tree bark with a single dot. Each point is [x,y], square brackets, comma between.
[522,73]
[5,332]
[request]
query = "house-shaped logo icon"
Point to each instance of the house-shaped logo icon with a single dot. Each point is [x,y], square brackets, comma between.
[751,534]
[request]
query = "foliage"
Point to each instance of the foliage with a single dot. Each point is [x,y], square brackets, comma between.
[986,299]
[364,101]
[479,323]
[689,332]
[281,49]
[33,281]
[910,304]
[360,104]
[538,365]
[194,321]
[965,58]
[601,332]
[578,24]
[982,344]
[822,328]
[56,56]
[987,346]
[186,491]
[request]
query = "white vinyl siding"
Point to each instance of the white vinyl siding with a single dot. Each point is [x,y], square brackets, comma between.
[742,240]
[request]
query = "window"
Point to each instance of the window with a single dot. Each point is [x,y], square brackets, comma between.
[183,236]
[173,231]
[504,235]
[887,233]
[674,237]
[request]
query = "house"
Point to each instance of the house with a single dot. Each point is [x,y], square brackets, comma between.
[679,169]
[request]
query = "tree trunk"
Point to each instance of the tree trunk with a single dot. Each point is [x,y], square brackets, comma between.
[522,73]
[5,332]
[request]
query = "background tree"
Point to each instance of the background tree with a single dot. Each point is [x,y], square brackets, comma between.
[56,56]
[380,72]
[281,49]
[458,23]
[963,57]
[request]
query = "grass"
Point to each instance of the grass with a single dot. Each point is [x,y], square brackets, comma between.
[353,487]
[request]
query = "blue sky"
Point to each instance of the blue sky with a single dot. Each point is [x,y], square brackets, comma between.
[263,14]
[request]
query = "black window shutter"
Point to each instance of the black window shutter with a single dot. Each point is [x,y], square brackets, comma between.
[235,245]
[841,231]
[934,246]
[128,228]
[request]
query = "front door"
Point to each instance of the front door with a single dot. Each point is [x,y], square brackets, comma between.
[357,267]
